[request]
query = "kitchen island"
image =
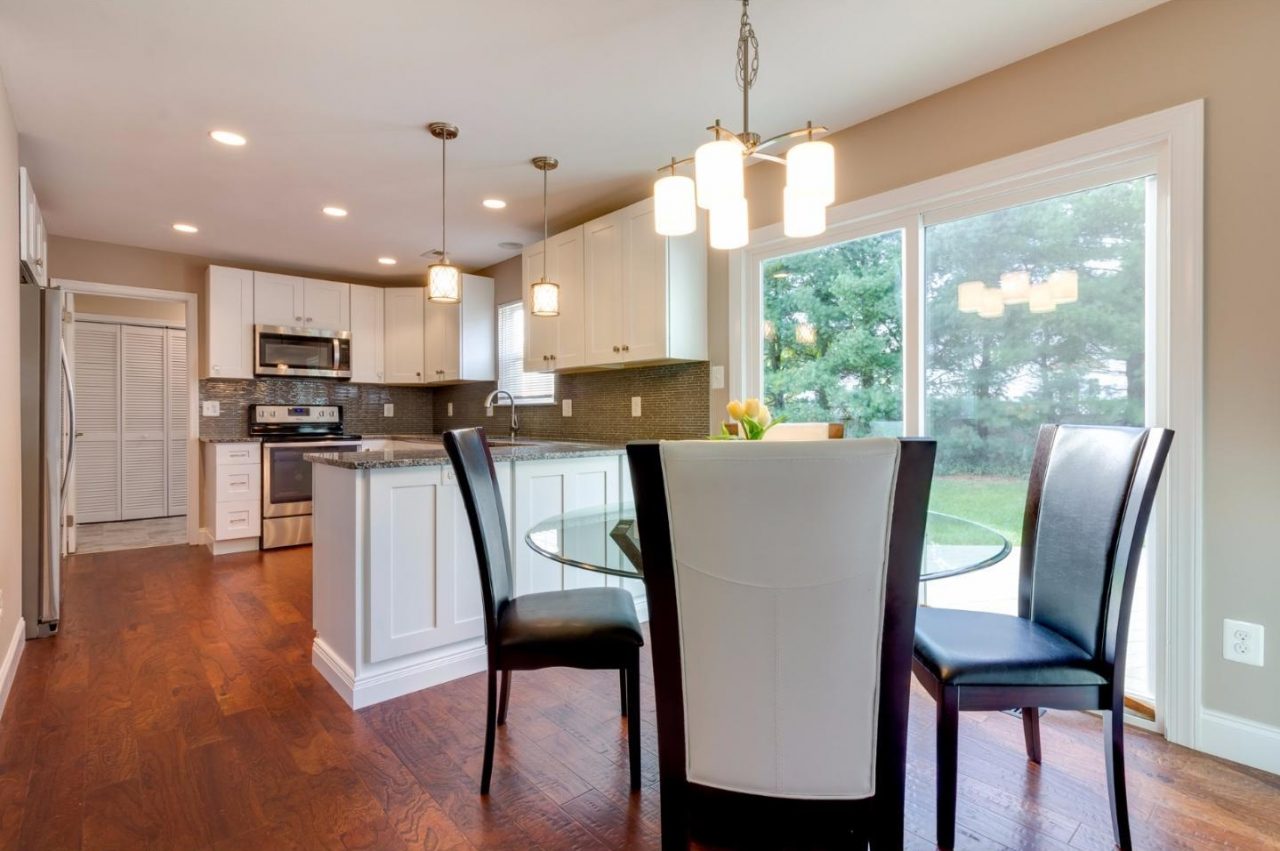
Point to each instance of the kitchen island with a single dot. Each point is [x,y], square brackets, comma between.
[396,599]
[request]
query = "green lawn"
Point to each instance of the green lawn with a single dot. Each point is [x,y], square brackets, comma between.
[993,501]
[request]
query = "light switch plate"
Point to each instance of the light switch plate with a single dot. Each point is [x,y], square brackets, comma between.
[389,410]
[566,408]
[449,411]
[717,377]
[1242,642]
[635,406]
[211,409]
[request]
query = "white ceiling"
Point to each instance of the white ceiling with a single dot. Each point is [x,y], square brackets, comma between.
[114,99]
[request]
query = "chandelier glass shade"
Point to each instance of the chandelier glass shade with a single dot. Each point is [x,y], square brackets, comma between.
[444,281]
[719,172]
[544,293]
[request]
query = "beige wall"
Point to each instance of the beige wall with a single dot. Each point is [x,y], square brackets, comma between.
[131,308]
[507,283]
[10,426]
[1223,51]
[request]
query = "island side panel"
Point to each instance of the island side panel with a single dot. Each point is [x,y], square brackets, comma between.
[337,555]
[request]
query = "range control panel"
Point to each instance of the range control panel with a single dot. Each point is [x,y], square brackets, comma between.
[297,414]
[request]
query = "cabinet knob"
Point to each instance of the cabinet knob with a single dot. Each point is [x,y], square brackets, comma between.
[308,318]
[616,349]
[417,375]
[297,319]
[626,348]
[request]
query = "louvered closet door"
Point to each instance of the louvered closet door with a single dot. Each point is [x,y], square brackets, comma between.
[178,399]
[97,382]
[143,489]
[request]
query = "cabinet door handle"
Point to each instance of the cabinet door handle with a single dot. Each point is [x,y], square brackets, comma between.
[308,319]
[297,319]
[417,375]
[626,348]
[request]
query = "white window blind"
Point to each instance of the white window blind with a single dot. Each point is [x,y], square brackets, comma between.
[526,387]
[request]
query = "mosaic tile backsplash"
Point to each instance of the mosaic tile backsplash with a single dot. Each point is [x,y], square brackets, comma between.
[361,404]
[675,404]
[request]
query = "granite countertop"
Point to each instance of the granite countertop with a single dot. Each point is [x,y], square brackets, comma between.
[230,440]
[533,450]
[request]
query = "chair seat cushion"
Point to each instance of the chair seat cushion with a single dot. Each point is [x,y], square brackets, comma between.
[979,648]
[581,628]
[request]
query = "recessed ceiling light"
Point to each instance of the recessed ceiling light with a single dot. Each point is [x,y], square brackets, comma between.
[387,261]
[494,203]
[336,212]
[183,227]
[226,137]
[511,246]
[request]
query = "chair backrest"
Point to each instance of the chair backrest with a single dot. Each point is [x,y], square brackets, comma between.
[806,431]
[782,581]
[473,464]
[1088,503]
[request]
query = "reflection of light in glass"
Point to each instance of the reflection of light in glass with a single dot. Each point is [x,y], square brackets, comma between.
[969,295]
[769,331]
[806,334]
[781,274]
[1041,299]
[992,304]
[548,540]
[1015,287]
[1064,285]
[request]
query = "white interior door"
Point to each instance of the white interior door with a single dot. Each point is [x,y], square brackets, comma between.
[143,486]
[178,397]
[97,463]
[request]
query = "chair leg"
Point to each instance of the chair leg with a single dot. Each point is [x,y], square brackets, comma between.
[622,687]
[490,730]
[1031,732]
[1113,732]
[506,695]
[632,681]
[948,748]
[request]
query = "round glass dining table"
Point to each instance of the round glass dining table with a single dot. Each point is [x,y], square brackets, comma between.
[604,540]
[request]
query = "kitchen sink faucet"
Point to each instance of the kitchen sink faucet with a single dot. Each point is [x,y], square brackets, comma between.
[515,419]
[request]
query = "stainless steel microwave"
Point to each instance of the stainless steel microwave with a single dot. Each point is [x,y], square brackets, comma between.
[312,352]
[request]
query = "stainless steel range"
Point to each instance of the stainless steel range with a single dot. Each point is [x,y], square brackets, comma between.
[288,433]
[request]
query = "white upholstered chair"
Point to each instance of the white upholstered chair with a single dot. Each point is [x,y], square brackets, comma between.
[782,582]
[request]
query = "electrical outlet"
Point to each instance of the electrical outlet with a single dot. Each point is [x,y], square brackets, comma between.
[1242,642]
[449,412]
[635,406]
[717,377]
[389,410]
[211,409]
[566,408]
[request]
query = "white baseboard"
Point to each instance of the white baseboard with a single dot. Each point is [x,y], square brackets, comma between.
[423,671]
[12,655]
[1239,740]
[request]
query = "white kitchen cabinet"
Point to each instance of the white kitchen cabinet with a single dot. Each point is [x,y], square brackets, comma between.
[460,337]
[33,260]
[227,320]
[232,498]
[556,342]
[544,488]
[293,302]
[405,337]
[367,320]
[645,294]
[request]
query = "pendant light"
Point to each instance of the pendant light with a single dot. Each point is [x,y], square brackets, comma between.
[545,293]
[444,281]
[718,184]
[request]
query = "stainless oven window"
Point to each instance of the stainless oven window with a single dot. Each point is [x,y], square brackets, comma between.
[290,475]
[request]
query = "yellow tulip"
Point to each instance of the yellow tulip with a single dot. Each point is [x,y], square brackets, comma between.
[752,408]
[735,410]
[764,417]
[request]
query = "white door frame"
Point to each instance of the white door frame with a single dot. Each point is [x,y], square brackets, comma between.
[192,303]
[1174,137]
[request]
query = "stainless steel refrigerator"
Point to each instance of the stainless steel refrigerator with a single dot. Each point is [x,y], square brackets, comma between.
[48,448]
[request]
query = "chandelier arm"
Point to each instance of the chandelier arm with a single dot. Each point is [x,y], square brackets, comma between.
[757,155]
[791,134]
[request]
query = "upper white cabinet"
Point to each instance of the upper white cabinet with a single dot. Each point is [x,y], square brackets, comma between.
[557,342]
[645,295]
[228,323]
[405,338]
[460,337]
[32,249]
[301,302]
[367,338]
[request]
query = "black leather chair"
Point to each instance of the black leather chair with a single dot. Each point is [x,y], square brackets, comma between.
[593,628]
[1088,503]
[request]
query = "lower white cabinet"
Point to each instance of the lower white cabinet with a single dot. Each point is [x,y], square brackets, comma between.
[232,503]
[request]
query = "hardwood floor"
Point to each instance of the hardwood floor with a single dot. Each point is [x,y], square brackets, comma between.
[178,709]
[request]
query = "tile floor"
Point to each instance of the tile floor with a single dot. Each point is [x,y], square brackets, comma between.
[131,534]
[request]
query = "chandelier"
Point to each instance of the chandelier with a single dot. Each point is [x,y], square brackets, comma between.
[718,184]
[1061,287]
[443,278]
[544,293]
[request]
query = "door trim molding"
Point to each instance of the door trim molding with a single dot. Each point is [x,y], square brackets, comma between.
[192,303]
[12,656]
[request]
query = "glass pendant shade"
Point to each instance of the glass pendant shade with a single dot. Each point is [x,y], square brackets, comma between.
[1015,287]
[675,212]
[1041,299]
[803,213]
[1064,286]
[718,168]
[444,283]
[729,224]
[545,298]
[811,169]
[992,304]
[969,295]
